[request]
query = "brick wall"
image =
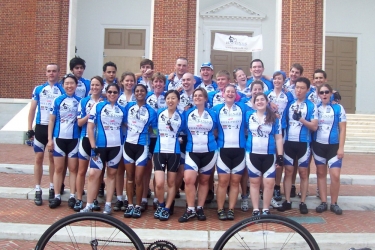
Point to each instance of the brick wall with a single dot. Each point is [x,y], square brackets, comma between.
[34,34]
[302,35]
[174,33]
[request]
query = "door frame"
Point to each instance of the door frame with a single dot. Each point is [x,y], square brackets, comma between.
[358,64]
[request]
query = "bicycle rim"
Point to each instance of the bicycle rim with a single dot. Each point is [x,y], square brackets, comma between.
[89,231]
[267,232]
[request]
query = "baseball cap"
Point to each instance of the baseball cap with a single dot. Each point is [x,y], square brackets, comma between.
[207,65]
[280,72]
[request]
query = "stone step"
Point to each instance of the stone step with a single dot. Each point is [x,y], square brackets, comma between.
[364,142]
[344,179]
[359,203]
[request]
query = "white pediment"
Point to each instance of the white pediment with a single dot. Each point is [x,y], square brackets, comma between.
[231,10]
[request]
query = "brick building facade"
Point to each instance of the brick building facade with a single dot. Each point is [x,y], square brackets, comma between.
[35,33]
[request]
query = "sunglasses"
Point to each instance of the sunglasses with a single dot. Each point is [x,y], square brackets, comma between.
[170,125]
[324,92]
[112,92]
[68,75]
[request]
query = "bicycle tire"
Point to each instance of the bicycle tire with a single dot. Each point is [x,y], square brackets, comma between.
[263,219]
[97,218]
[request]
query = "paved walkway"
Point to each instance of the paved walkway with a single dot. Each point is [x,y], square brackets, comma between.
[357,187]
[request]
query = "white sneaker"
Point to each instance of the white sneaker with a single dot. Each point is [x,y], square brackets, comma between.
[107,210]
[245,204]
[274,203]
[86,210]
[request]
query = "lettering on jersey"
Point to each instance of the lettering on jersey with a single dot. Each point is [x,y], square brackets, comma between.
[176,117]
[55,90]
[163,117]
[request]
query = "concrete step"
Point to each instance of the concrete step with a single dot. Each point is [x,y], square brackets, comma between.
[358,203]
[344,179]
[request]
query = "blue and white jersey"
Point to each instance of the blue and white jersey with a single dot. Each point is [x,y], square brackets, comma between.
[210,87]
[44,95]
[122,101]
[83,88]
[313,96]
[214,98]
[231,125]
[138,120]
[328,124]
[156,102]
[295,130]
[261,135]
[108,120]
[282,100]
[186,100]
[289,87]
[65,108]
[266,83]
[246,91]
[168,131]
[200,130]
[84,108]
[176,83]
[143,82]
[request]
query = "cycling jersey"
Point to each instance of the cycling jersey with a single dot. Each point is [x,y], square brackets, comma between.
[231,125]
[185,101]
[267,84]
[122,100]
[281,101]
[84,108]
[108,120]
[156,102]
[138,120]
[246,91]
[83,88]
[44,95]
[168,130]
[329,118]
[210,87]
[143,82]
[261,136]
[214,98]
[65,108]
[200,131]
[295,130]
[176,83]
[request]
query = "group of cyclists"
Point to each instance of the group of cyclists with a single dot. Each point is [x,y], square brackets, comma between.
[184,127]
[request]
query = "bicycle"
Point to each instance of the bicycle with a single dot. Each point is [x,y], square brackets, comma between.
[99,231]
[267,232]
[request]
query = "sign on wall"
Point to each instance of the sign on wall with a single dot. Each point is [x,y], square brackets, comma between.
[238,43]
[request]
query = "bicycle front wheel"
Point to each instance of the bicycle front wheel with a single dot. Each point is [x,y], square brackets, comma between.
[267,232]
[89,231]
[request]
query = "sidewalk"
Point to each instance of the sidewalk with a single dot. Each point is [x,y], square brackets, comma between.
[352,229]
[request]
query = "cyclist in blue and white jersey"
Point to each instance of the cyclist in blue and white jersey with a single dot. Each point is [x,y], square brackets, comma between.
[156,99]
[328,147]
[41,103]
[217,97]
[77,67]
[175,79]
[231,143]
[279,99]
[63,135]
[264,142]
[257,69]
[140,117]
[147,70]
[296,71]
[201,154]
[167,153]
[207,72]
[300,118]
[127,82]
[109,76]
[319,78]
[106,138]
[240,80]
[84,151]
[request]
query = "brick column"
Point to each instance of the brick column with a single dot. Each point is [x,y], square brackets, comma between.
[174,33]
[302,35]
